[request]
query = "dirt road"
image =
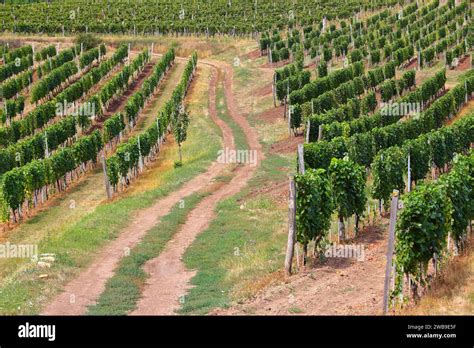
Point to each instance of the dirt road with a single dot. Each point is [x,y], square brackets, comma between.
[84,290]
[168,277]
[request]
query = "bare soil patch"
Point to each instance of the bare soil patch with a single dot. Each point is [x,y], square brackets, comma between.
[263,91]
[253,54]
[278,64]
[412,64]
[271,115]
[464,63]
[337,286]
[277,191]
[287,145]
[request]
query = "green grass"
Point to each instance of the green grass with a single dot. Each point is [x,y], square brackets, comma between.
[295,310]
[244,75]
[123,290]
[230,233]
[223,113]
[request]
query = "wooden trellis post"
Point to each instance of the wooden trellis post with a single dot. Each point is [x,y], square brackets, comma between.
[140,159]
[46,147]
[409,174]
[467,93]
[301,159]
[291,227]
[292,216]
[274,90]
[308,129]
[106,178]
[390,250]
[289,120]
[287,101]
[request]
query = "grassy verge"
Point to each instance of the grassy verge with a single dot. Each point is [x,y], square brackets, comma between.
[237,254]
[74,245]
[123,290]
[223,113]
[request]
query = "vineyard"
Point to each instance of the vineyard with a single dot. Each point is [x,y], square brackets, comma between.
[235,157]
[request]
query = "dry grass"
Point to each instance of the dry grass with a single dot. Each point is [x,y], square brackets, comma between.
[452,293]
[251,287]
[184,46]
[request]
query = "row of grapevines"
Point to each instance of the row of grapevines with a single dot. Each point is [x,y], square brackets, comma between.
[23,183]
[324,84]
[44,53]
[89,56]
[114,125]
[385,117]
[20,52]
[319,193]
[128,154]
[137,101]
[11,108]
[15,67]
[50,139]
[337,41]
[346,93]
[369,38]
[34,147]
[292,83]
[40,173]
[363,147]
[433,148]
[3,51]
[341,95]
[151,17]
[56,61]
[41,115]
[120,81]
[57,76]
[457,52]
[430,212]
[399,43]
[53,80]
[286,72]
[115,87]
[11,87]
[354,108]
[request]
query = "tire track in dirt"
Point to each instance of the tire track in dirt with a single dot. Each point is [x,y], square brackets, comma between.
[169,279]
[87,287]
